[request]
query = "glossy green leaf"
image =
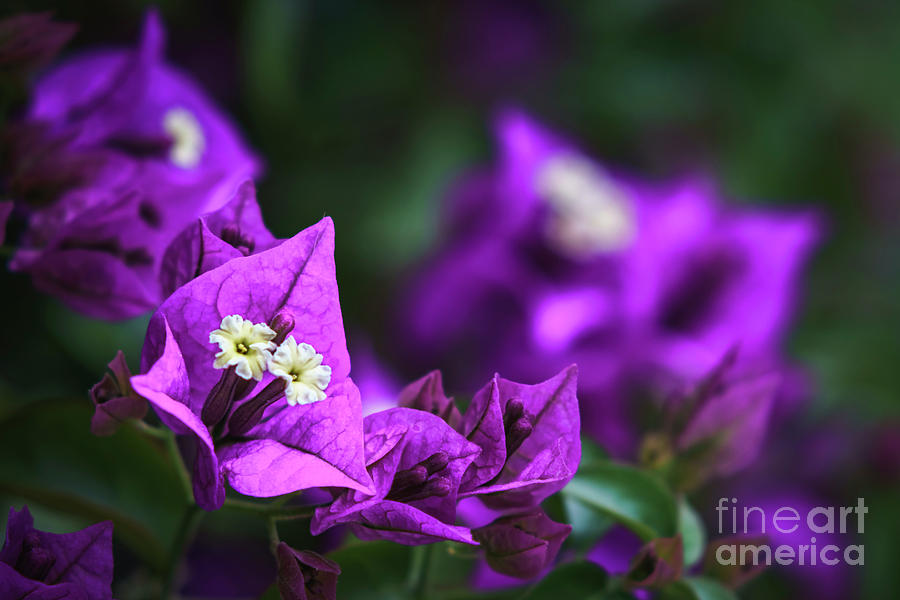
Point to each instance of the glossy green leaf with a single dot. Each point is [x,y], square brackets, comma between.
[693,533]
[698,588]
[631,497]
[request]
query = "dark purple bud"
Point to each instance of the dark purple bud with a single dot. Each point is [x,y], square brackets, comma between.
[515,408]
[657,564]
[34,561]
[517,433]
[220,397]
[406,482]
[436,462]
[232,234]
[439,486]
[114,400]
[305,575]
[248,414]
[282,325]
[522,545]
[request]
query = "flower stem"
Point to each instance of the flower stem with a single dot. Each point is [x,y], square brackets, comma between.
[271,511]
[272,528]
[183,476]
[420,562]
[185,533]
[151,430]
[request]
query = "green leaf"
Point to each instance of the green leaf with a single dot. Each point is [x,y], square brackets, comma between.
[588,525]
[631,497]
[51,459]
[698,588]
[573,580]
[693,533]
[372,570]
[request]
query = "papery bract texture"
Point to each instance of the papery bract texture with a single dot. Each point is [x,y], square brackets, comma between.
[522,545]
[290,447]
[48,566]
[416,462]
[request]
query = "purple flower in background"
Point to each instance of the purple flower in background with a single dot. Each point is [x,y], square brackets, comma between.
[522,545]
[553,259]
[417,462]
[116,155]
[529,435]
[306,575]
[48,566]
[114,400]
[249,361]
[726,420]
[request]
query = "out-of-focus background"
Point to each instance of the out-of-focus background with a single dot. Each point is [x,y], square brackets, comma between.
[368,111]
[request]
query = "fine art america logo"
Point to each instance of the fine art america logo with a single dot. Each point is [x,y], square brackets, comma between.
[789,534]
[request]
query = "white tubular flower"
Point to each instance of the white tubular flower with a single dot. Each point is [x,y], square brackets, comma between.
[245,345]
[302,370]
[591,212]
[188,142]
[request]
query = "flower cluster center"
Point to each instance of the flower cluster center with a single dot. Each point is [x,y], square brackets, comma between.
[188,141]
[252,349]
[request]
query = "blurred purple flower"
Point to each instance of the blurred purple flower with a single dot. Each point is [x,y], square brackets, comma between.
[306,575]
[552,258]
[417,462]
[277,320]
[117,153]
[729,424]
[49,566]
[522,545]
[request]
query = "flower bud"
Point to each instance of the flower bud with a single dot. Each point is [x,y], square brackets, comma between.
[658,563]
[114,400]
[521,545]
[305,575]
[282,325]
[248,414]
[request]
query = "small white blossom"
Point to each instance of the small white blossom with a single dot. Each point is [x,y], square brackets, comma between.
[245,345]
[302,370]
